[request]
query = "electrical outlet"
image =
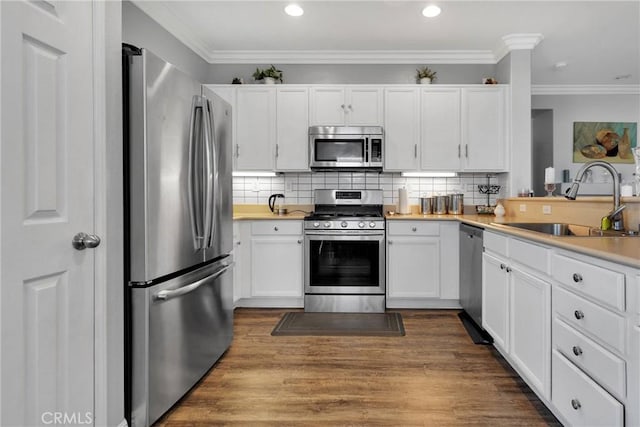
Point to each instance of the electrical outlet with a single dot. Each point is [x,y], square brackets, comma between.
[523,208]
[288,186]
[256,185]
[546,209]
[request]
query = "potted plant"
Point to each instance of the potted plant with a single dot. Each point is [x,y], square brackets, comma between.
[425,75]
[268,75]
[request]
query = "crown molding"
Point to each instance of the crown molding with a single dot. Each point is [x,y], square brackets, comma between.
[585,90]
[512,42]
[353,57]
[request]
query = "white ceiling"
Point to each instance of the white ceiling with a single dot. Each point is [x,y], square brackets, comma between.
[598,40]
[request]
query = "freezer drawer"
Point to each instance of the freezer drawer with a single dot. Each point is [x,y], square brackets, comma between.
[180,329]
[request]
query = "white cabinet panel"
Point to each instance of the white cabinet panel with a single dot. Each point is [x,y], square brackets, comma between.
[255,128]
[530,328]
[495,299]
[440,135]
[292,115]
[342,105]
[276,266]
[401,129]
[328,107]
[580,400]
[364,106]
[484,128]
[413,267]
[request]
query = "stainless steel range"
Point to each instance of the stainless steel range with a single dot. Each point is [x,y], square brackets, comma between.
[345,252]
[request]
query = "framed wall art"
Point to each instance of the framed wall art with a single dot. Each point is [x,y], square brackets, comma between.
[608,141]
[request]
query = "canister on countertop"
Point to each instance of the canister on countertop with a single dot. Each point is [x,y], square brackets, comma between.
[456,204]
[426,205]
[441,205]
[403,201]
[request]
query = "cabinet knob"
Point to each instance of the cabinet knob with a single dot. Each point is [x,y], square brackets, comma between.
[508,269]
[579,314]
[299,241]
[414,229]
[577,350]
[275,228]
[577,278]
[350,107]
[575,403]
[390,242]
[342,106]
[502,266]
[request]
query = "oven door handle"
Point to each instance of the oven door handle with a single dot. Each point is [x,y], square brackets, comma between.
[346,233]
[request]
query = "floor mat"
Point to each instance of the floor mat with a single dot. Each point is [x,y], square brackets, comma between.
[340,324]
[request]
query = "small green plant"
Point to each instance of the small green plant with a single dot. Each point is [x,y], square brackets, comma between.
[272,72]
[425,72]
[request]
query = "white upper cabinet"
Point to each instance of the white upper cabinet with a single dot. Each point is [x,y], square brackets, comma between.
[484,129]
[255,128]
[292,145]
[401,128]
[340,105]
[440,114]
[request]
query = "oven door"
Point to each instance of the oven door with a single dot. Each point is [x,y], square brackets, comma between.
[344,151]
[348,263]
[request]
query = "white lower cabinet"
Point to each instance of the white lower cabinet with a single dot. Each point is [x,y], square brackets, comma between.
[422,264]
[495,299]
[270,267]
[580,400]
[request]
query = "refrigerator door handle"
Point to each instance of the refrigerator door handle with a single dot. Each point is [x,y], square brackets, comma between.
[211,173]
[167,295]
[194,178]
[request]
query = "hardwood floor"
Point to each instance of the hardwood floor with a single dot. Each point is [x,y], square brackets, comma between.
[434,375]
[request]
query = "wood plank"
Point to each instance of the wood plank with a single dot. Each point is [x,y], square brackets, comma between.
[434,375]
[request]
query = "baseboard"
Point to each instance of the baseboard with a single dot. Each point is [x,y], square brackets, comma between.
[270,302]
[417,303]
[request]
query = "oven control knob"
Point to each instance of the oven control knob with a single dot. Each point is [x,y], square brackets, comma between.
[361,224]
[327,224]
[372,224]
[316,224]
[343,224]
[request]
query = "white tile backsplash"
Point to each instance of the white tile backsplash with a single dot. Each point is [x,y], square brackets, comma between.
[298,187]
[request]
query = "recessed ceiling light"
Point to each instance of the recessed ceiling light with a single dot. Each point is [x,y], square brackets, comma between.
[431,11]
[293,10]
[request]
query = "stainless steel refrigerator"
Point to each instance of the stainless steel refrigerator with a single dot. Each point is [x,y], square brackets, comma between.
[178,201]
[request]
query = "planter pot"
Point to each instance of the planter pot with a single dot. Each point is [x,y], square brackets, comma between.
[269,81]
[425,81]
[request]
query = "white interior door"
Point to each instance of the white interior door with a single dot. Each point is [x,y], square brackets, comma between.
[47,181]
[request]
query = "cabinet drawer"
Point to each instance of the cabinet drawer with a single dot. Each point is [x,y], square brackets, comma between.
[605,367]
[496,243]
[533,256]
[605,325]
[602,284]
[276,228]
[413,228]
[579,399]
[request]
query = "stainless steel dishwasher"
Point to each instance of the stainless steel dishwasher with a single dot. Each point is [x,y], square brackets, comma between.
[471,277]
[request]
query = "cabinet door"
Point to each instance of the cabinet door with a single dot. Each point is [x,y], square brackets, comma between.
[255,128]
[530,329]
[483,130]
[276,266]
[364,106]
[401,129]
[495,299]
[450,260]
[292,145]
[413,267]
[440,135]
[327,106]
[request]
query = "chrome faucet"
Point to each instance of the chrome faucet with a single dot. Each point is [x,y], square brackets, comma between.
[615,215]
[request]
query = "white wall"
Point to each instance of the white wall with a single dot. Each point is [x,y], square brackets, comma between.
[140,30]
[354,73]
[585,108]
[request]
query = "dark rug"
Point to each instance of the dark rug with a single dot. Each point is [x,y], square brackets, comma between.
[340,324]
[477,334]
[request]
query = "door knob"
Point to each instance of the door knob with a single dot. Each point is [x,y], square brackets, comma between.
[83,241]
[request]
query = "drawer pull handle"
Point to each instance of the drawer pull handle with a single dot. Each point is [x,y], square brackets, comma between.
[577,350]
[414,229]
[579,314]
[575,403]
[502,266]
[577,278]
[275,228]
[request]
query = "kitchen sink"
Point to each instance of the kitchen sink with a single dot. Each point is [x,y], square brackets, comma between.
[564,229]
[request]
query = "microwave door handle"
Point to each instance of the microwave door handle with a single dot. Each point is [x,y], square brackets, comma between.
[366,151]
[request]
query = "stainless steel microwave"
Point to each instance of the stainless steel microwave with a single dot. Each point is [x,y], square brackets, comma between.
[346,147]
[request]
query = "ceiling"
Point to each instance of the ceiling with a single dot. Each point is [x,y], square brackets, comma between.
[599,41]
